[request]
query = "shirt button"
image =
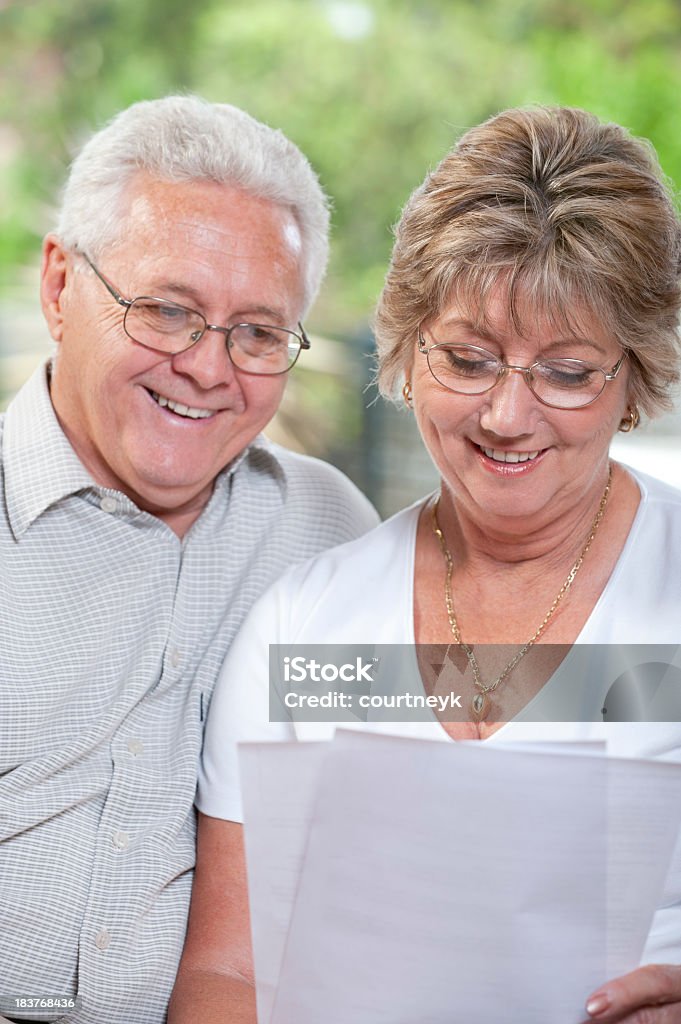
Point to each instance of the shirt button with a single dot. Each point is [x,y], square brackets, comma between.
[108,504]
[102,939]
[121,840]
[135,746]
[175,657]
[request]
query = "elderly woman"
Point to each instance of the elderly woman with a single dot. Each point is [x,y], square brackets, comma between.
[529,313]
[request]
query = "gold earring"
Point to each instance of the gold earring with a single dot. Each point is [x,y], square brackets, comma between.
[631,421]
[406,393]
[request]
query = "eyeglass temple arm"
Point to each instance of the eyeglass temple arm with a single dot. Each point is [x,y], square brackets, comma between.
[109,287]
[305,341]
[616,368]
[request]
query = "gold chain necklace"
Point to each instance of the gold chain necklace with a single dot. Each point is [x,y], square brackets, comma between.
[480,703]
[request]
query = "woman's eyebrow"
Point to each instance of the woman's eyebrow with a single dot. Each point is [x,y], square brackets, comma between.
[467,325]
[572,341]
[566,341]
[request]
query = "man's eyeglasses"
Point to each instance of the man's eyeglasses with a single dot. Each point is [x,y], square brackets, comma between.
[559,383]
[168,327]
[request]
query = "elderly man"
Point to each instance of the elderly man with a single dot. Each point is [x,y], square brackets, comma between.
[143,514]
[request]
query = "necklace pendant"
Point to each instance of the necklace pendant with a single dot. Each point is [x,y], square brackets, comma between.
[480,705]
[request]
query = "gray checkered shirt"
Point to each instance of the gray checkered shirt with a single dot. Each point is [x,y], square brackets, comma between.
[112,632]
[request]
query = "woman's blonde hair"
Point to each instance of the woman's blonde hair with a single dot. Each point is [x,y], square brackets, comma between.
[571,218]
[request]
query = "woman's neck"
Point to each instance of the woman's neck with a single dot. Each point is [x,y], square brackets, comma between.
[503,589]
[551,538]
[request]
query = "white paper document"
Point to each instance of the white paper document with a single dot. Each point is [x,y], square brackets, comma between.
[409,882]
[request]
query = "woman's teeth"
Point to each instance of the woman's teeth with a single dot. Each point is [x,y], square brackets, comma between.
[181,410]
[499,456]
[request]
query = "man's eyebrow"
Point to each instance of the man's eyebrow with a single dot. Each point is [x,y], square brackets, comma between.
[189,296]
[265,311]
[162,289]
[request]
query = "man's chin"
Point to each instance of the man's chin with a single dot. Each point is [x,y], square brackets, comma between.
[161,494]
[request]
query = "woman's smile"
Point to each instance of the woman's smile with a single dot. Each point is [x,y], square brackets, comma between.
[508,462]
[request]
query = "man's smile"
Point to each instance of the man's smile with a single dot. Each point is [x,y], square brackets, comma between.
[179,409]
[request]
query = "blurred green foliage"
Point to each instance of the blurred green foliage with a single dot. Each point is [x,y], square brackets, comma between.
[374,91]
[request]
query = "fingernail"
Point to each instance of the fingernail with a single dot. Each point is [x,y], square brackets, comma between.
[597,1004]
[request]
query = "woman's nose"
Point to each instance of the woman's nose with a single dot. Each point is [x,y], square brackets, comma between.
[511,408]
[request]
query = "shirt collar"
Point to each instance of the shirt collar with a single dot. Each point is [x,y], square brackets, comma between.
[41,468]
[40,465]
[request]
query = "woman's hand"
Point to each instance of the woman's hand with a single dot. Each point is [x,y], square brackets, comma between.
[649,995]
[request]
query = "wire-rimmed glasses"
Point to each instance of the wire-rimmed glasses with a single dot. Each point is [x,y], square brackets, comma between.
[559,383]
[169,327]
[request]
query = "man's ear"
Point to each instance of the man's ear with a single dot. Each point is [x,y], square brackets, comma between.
[54,272]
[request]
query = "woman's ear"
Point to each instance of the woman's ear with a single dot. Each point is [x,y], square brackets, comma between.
[54,272]
[631,416]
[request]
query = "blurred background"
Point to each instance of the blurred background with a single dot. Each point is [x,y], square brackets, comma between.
[374,92]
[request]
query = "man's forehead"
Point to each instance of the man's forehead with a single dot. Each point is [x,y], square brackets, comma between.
[201,240]
[159,208]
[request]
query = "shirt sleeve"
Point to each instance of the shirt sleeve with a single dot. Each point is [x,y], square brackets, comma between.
[239,710]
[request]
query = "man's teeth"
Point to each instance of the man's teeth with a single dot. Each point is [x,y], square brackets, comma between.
[499,456]
[181,410]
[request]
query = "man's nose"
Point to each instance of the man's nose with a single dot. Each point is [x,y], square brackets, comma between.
[511,408]
[206,361]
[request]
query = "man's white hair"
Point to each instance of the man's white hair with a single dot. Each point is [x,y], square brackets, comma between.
[186,138]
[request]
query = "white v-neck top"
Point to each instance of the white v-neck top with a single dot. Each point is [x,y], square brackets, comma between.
[363,593]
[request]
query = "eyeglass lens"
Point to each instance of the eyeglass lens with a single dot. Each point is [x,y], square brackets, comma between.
[563,383]
[167,327]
